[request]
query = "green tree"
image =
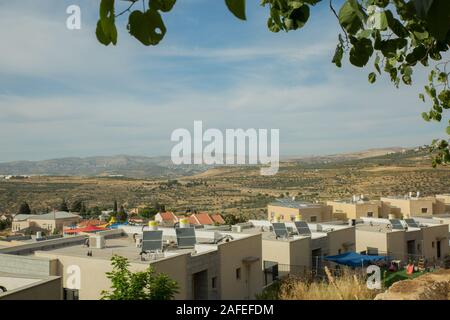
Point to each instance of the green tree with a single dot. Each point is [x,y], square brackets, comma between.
[148,212]
[115,206]
[141,285]
[83,210]
[231,219]
[77,206]
[24,208]
[397,35]
[63,206]
[122,215]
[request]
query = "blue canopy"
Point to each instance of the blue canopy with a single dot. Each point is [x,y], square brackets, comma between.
[354,259]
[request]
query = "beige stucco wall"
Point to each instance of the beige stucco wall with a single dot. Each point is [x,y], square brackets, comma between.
[370,239]
[338,239]
[93,273]
[322,213]
[50,224]
[50,289]
[53,224]
[19,225]
[293,252]
[412,207]
[396,245]
[354,210]
[431,235]
[231,258]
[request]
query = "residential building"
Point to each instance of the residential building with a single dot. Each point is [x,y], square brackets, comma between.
[413,205]
[52,221]
[354,208]
[166,219]
[445,199]
[28,287]
[299,253]
[403,242]
[203,218]
[287,209]
[219,266]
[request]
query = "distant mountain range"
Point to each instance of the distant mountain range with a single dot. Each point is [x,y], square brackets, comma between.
[130,166]
[139,166]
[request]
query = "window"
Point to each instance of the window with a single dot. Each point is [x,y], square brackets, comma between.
[238,273]
[432,244]
[292,218]
[370,214]
[339,251]
[272,215]
[214,282]
[281,217]
[313,219]
[71,294]
[424,210]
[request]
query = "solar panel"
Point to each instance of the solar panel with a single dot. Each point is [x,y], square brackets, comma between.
[302,228]
[280,230]
[185,237]
[152,240]
[412,223]
[396,224]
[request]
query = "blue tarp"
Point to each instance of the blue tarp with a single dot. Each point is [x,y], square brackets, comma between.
[354,259]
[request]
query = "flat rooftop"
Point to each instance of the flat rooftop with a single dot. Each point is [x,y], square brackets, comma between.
[264,227]
[125,245]
[384,225]
[288,203]
[349,201]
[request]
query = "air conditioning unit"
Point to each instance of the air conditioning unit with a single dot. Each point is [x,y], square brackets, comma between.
[97,242]
[236,229]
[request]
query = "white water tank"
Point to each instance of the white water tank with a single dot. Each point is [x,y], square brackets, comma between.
[38,234]
[184,223]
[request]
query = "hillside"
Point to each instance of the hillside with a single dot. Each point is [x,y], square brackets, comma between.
[130,166]
[235,189]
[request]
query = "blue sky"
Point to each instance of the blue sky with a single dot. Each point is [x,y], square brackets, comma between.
[64,94]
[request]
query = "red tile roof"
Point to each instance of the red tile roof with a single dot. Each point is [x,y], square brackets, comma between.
[193,220]
[218,218]
[168,216]
[201,218]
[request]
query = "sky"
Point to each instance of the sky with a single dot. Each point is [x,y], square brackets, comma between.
[63,94]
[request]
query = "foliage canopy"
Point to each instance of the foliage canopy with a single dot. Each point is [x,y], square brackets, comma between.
[141,285]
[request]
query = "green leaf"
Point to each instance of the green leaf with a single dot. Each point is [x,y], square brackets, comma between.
[147,27]
[438,19]
[162,5]
[422,97]
[350,16]
[101,37]
[107,16]
[372,77]
[338,54]
[395,25]
[448,130]
[442,77]
[361,52]
[297,18]
[425,116]
[237,7]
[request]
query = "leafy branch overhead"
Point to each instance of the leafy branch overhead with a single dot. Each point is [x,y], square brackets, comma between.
[396,35]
